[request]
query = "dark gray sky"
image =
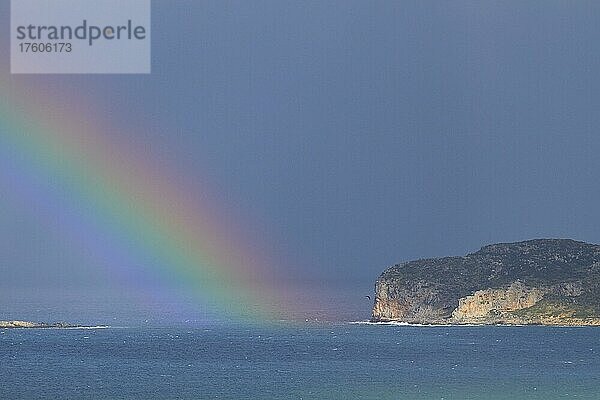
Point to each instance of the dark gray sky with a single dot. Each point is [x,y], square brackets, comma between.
[358,134]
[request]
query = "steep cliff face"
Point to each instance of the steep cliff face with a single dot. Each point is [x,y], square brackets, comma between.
[546,281]
[499,302]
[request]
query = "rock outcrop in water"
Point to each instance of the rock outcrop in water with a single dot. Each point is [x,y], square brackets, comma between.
[27,324]
[544,281]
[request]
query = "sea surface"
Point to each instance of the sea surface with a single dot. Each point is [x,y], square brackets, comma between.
[316,361]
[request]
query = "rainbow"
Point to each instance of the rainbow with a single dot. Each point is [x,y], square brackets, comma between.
[128,211]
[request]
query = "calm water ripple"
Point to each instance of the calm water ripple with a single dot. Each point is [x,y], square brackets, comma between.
[340,361]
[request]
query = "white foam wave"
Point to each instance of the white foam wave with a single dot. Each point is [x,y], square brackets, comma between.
[85,327]
[388,323]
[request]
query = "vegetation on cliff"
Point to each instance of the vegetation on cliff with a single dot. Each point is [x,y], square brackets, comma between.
[544,281]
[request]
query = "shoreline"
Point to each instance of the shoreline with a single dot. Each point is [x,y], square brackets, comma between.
[433,325]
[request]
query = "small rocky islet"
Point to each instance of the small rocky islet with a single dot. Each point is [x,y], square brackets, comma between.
[37,325]
[534,282]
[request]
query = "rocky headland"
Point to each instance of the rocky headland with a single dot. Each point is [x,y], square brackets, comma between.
[536,282]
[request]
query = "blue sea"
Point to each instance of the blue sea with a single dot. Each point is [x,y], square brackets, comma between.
[327,361]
